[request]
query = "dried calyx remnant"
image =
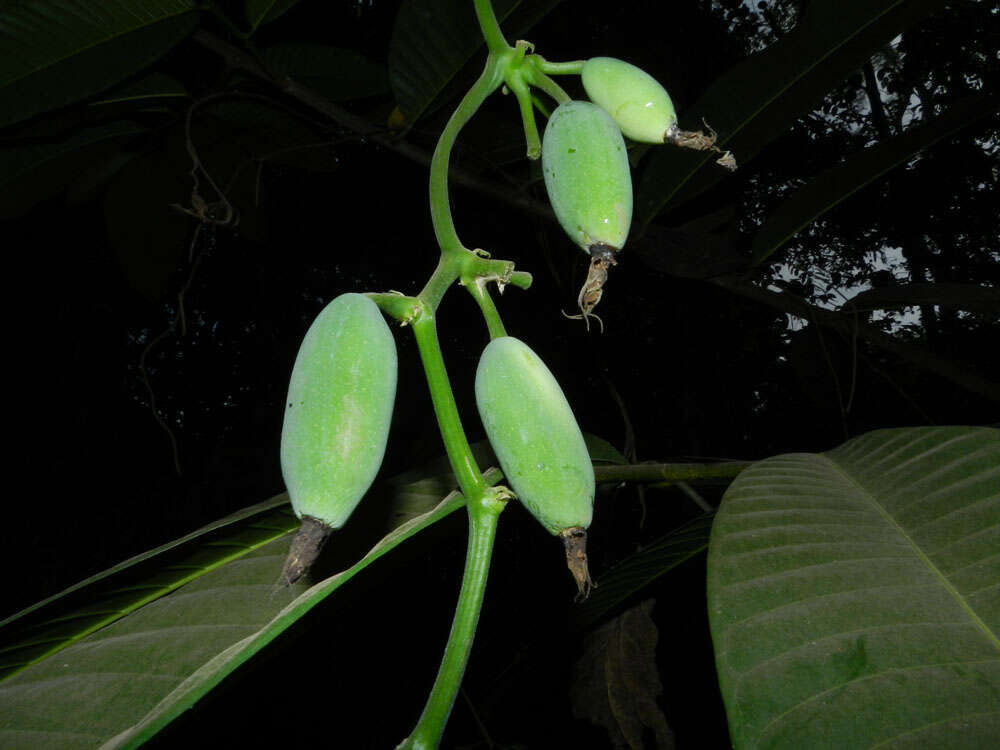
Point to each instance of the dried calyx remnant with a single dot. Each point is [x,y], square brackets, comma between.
[306,546]
[575,542]
[602,257]
[698,141]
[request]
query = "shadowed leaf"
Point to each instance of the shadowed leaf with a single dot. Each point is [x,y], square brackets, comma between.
[615,681]
[55,52]
[636,572]
[338,74]
[433,40]
[259,12]
[32,172]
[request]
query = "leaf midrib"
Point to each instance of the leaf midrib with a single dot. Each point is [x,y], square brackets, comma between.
[52,62]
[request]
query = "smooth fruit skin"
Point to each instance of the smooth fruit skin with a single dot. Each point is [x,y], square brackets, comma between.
[338,410]
[535,436]
[587,175]
[635,100]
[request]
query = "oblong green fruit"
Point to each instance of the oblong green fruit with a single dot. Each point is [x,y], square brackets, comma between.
[635,100]
[587,176]
[535,436]
[338,410]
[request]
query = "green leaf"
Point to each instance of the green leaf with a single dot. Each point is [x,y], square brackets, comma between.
[55,52]
[432,40]
[259,12]
[854,596]
[755,101]
[39,631]
[639,570]
[146,669]
[34,171]
[983,299]
[863,168]
[338,74]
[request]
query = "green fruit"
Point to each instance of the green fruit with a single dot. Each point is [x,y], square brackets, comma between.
[634,99]
[338,410]
[535,435]
[587,177]
[539,446]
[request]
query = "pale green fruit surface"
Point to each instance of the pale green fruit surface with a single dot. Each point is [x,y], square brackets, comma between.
[634,99]
[535,436]
[587,175]
[338,410]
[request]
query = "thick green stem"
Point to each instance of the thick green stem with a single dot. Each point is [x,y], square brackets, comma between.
[490,26]
[467,473]
[482,531]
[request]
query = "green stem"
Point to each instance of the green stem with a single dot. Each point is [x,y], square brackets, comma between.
[559,69]
[482,532]
[482,296]
[490,27]
[523,94]
[470,479]
[550,87]
[444,225]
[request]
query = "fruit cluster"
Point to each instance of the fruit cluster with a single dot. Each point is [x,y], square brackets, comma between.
[585,164]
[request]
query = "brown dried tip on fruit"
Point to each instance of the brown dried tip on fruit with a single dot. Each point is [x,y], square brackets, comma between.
[602,258]
[698,141]
[575,542]
[305,548]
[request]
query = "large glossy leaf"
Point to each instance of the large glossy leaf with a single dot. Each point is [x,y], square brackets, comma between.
[859,170]
[37,632]
[55,52]
[854,596]
[755,101]
[145,669]
[433,39]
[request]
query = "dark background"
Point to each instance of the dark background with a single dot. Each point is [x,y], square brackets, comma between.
[699,371]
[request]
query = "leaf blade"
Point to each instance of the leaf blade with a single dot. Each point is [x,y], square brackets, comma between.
[836,579]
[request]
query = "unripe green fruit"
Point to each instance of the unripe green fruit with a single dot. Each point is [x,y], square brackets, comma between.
[338,410]
[635,100]
[535,435]
[587,176]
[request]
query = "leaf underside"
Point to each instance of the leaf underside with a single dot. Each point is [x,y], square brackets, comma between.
[854,596]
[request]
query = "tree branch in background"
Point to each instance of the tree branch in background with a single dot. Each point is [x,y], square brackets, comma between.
[712,258]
